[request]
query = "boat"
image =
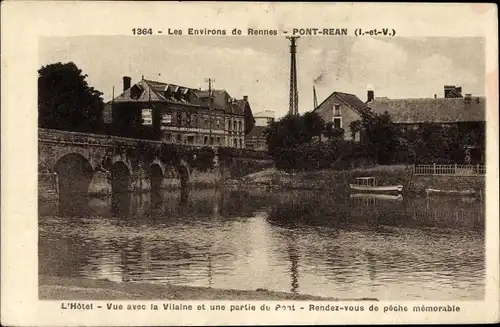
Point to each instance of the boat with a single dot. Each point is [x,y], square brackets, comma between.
[398,197]
[429,191]
[369,184]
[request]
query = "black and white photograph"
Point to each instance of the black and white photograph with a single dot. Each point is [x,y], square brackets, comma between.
[261,168]
[249,164]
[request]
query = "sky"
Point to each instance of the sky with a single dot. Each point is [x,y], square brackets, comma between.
[259,66]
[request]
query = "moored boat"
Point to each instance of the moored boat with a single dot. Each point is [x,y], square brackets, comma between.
[429,191]
[369,184]
[398,197]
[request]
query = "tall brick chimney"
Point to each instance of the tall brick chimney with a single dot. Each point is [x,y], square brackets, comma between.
[126,83]
[370,94]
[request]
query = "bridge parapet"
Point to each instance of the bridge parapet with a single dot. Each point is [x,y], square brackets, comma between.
[61,137]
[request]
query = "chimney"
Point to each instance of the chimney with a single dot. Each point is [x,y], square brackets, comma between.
[245,97]
[126,83]
[435,96]
[447,90]
[452,91]
[370,96]
[468,98]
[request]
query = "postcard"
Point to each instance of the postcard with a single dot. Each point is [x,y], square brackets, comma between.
[220,163]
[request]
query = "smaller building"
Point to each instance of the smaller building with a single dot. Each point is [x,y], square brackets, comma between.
[467,113]
[257,139]
[342,109]
[264,118]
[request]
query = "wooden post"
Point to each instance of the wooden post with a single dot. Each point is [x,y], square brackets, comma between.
[434,169]
[478,169]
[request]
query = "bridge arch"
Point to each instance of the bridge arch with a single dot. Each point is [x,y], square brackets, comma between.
[156,175]
[74,174]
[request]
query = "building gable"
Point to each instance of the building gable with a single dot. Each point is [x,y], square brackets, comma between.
[341,109]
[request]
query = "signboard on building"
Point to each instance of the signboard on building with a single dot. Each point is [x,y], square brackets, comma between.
[147,116]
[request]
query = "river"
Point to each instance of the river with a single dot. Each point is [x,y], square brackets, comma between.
[324,244]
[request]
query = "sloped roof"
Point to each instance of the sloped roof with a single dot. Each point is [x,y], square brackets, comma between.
[351,100]
[256,133]
[265,114]
[148,91]
[430,110]
[223,101]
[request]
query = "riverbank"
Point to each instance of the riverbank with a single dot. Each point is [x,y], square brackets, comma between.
[323,179]
[65,288]
[385,175]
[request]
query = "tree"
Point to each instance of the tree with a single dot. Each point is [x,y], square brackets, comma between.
[382,136]
[286,133]
[66,101]
[313,125]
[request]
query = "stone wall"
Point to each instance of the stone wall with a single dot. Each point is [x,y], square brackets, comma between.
[47,186]
[98,154]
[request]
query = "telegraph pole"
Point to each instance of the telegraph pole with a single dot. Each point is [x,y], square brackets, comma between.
[210,80]
[294,94]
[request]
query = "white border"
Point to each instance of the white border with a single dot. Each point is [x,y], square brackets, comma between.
[23,22]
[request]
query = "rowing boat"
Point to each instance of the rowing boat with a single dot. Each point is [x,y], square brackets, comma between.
[368,184]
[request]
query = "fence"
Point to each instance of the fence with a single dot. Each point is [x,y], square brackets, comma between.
[450,170]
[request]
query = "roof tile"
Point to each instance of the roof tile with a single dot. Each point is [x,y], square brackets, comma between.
[425,110]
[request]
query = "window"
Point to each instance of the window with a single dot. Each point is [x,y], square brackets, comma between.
[336,110]
[218,140]
[218,123]
[337,122]
[179,119]
[240,126]
[241,143]
[184,119]
[235,143]
[205,140]
[178,138]
[166,118]
[190,139]
[147,116]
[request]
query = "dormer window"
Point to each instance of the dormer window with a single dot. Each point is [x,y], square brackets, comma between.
[185,95]
[166,92]
[135,92]
[336,110]
[179,93]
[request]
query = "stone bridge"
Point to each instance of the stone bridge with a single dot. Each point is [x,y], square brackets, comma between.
[70,162]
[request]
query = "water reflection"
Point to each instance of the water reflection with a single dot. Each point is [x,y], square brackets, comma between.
[302,242]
